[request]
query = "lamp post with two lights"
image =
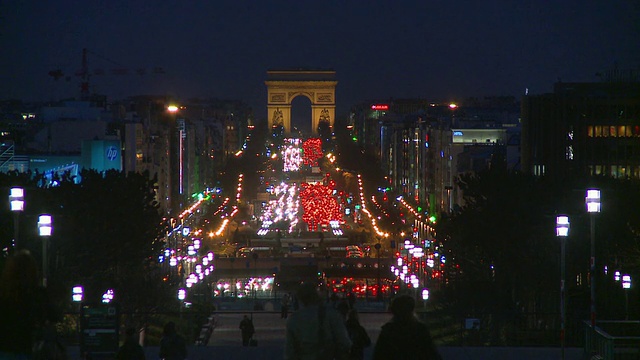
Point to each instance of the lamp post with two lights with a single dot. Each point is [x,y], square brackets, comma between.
[562,231]
[16,201]
[45,229]
[592,200]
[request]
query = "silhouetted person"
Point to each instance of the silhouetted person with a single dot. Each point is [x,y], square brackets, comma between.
[334,299]
[315,330]
[172,345]
[343,308]
[130,349]
[286,300]
[404,337]
[351,297]
[26,314]
[358,335]
[247,330]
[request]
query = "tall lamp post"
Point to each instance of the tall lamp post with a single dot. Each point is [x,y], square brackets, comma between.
[182,295]
[592,201]
[379,291]
[16,200]
[626,285]
[562,231]
[77,295]
[45,228]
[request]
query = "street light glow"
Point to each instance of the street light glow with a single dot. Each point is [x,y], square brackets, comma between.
[16,199]
[45,227]
[593,200]
[562,225]
[77,292]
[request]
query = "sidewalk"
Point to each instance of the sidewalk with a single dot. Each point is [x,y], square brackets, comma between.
[448,353]
[225,343]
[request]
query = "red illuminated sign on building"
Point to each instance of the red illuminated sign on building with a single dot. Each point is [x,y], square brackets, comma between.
[380,107]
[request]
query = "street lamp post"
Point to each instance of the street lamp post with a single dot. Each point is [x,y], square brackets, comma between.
[16,200]
[379,291]
[592,201]
[562,231]
[182,295]
[626,285]
[45,228]
[255,275]
[77,295]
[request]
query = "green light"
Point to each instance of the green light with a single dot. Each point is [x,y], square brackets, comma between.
[357,206]
[355,139]
[432,219]
[419,208]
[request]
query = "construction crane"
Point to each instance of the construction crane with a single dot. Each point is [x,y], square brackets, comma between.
[85,73]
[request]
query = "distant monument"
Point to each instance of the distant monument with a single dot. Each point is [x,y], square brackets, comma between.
[319,86]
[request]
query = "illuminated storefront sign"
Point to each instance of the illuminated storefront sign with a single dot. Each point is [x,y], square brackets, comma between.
[379,107]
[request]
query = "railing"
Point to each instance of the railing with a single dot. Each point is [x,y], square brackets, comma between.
[611,340]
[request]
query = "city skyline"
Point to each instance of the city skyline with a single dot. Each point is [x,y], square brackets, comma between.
[410,49]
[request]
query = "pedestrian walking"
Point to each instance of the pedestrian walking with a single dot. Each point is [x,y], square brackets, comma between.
[351,298]
[247,330]
[315,331]
[358,335]
[172,345]
[130,349]
[404,336]
[343,308]
[284,311]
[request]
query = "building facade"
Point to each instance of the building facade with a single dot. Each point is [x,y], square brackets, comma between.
[583,128]
[424,146]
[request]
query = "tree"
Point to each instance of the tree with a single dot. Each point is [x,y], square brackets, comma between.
[502,249]
[499,246]
[108,236]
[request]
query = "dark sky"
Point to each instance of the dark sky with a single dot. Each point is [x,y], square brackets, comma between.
[435,49]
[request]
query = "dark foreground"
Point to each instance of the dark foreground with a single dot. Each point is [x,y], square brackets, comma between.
[274,352]
[270,333]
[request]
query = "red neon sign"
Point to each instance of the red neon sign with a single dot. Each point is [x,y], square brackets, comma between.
[379,107]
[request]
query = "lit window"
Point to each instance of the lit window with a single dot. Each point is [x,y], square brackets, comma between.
[621,131]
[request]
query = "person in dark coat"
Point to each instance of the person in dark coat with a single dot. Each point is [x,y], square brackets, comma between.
[358,335]
[405,337]
[284,312]
[343,308]
[172,345]
[130,349]
[247,330]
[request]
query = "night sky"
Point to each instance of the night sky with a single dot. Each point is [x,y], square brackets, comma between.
[439,49]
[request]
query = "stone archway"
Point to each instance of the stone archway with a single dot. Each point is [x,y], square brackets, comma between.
[319,86]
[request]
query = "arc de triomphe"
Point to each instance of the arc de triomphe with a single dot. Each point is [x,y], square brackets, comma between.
[319,86]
